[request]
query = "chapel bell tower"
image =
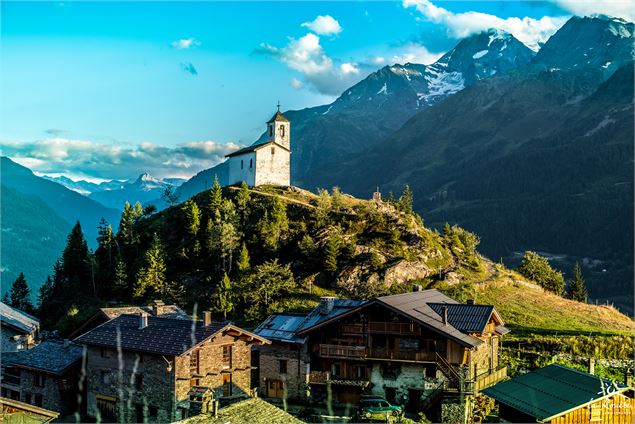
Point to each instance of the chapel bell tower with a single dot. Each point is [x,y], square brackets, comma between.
[278,129]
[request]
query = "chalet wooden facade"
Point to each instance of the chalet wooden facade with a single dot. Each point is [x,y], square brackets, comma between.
[414,349]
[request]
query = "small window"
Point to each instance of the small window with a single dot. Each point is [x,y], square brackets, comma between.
[27,398]
[227,356]
[38,380]
[138,381]
[270,130]
[194,382]
[105,377]
[283,366]
[38,400]
[241,164]
[251,163]
[104,352]
[153,412]
[194,362]
[282,128]
[273,150]
[336,370]
[360,371]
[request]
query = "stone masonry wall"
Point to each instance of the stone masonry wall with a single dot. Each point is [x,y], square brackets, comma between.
[295,378]
[54,399]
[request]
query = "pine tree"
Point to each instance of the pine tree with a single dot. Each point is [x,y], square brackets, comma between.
[406,200]
[222,300]
[120,279]
[151,278]
[45,293]
[323,208]
[537,268]
[215,197]
[20,294]
[243,262]
[193,217]
[331,252]
[77,263]
[242,202]
[337,201]
[391,198]
[127,235]
[104,257]
[577,287]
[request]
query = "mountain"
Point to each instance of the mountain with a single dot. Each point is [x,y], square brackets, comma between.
[539,158]
[144,189]
[86,187]
[202,181]
[33,237]
[377,106]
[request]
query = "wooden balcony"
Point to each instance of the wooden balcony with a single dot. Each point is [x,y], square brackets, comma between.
[352,329]
[488,379]
[402,355]
[325,377]
[400,328]
[342,351]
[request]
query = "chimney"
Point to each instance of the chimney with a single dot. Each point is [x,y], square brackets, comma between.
[207,318]
[444,315]
[143,320]
[470,302]
[416,288]
[326,304]
[592,366]
[157,307]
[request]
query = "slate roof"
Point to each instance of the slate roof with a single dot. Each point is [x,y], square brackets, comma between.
[466,318]
[50,356]
[252,411]
[254,147]
[278,116]
[163,336]
[284,327]
[17,319]
[551,391]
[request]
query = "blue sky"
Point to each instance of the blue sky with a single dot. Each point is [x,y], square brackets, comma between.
[177,85]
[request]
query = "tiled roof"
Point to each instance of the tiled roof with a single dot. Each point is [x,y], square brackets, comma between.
[551,391]
[17,319]
[252,411]
[254,147]
[279,117]
[163,336]
[416,305]
[466,318]
[50,356]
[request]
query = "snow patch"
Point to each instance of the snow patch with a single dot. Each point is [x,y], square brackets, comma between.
[441,84]
[607,64]
[480,54]
[620,31]
[603,123]
[328,110]
[383,90]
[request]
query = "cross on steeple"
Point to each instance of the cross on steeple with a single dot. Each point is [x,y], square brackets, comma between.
[278,105]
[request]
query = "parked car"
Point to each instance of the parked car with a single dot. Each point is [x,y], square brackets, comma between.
[377,408]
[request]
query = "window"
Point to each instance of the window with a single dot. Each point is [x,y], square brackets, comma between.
[27,398]
[104,352]
[194,362]
[273,150]
[283,366]
[360,371]
[194,382]
[241,163]
[38,400]
[282,131]
[138,381]
[139,415]
[271,130]
[107,408]
[38,380]
[105,377]
[140,357]
[227,356]
[336,369]
[227,384]
[251,163]
[153,412]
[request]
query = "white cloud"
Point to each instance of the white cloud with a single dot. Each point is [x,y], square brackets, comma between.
[530,31]
[324,25]
[349,68]
[618,8]
[377,60]
[86,159]
[296,83]
[185,43]
[415,53]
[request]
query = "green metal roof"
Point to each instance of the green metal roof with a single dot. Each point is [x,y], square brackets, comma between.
[552,391]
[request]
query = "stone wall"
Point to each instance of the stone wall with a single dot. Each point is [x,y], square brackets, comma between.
[238,173]
[273,166]
[295,378]
[111,377]
[58,393]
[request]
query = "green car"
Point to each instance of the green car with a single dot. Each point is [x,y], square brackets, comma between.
[377,408]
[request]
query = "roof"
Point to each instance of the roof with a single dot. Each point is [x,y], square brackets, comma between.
[465,318]
[17,319]
[278,117]
[28,413]
[416,305]
[252,410]
[285,327]
[162,336]
[49,356]
[552,391]
[255,147]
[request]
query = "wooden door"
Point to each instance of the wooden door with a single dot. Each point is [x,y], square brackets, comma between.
[414,401]
[275,389]
[227,384]
[107,409]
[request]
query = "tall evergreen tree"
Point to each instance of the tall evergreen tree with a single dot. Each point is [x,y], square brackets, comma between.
[120,279]
[151,278]
[128,237]
[193,223]
[45,293]
[406,200]
[77,263]
[577,288]
[215,197]
[243,261]
[222,300]
[242,203]
[105,258]
[331,252]
[19,296]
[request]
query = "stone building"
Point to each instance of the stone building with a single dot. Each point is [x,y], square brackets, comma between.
[422,350]
[45,376]
[157,308]
[20,330]
[142,367]
[267,162]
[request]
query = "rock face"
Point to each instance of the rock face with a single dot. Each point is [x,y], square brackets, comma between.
[405,271]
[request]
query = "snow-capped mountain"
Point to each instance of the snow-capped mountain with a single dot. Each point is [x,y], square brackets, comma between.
[143,189]
[86,187]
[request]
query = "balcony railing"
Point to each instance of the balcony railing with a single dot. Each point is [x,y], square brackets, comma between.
[488,379]
[403,355]
[340,351]
[325,377]
[352,329]
[401,328]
